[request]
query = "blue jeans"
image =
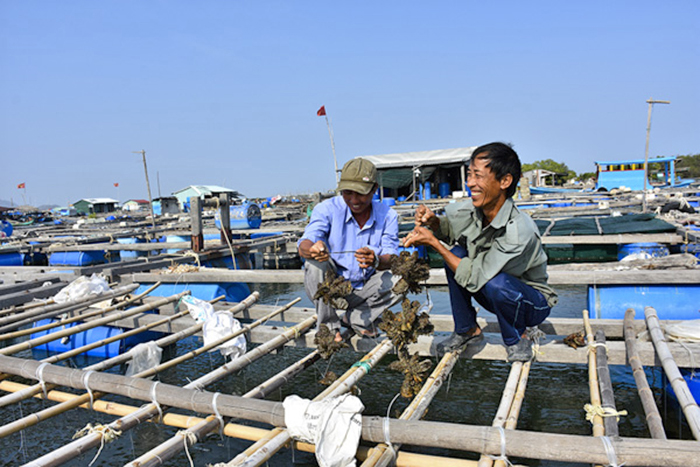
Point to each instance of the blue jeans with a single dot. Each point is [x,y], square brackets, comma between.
[515,304]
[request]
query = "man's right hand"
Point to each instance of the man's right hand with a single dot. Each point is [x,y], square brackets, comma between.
[426,218]
[319,251]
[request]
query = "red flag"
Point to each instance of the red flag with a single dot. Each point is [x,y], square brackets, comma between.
[21,185]
[322,111]
[116,185]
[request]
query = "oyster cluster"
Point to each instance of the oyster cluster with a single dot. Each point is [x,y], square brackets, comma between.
[333,290]
[403,329]
[412,270]
[325,342]
[575,340]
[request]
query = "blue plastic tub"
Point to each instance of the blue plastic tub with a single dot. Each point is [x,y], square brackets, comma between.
[11,259]
[88,337]
[77,258]
[234,291]
[670,301]
[655,250]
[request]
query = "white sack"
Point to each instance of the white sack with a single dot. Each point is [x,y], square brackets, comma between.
[684,331]
[82,287]
[334,425]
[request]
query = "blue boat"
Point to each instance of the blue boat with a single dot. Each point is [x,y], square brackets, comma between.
[630,174]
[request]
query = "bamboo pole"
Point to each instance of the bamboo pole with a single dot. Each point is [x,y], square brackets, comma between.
[244,432]
[80,317]
[261,452]
[49,412]
[167,449]
[380,455]
[520,443]
[26,345]
[680,387]
[503,410]
[512,420]
[93,439]
[653,418]
[607,395]
[31,316]
[597,422]
[119,359]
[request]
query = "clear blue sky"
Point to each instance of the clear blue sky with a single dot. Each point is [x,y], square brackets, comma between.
[226,92]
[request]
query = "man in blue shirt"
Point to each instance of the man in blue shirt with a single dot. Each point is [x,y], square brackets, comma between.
[354,236]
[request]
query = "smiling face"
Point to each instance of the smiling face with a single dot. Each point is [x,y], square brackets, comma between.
[358,203]
[488,193]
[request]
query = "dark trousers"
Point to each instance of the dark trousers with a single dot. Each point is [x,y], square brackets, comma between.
[515,304]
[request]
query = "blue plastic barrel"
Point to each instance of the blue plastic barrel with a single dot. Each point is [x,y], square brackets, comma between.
[234,291]
[655,250]
[77,258]
[244,216]
[426,191]
[11,259]
[389,201]
[669,301]
[126,254]
[444,190]
[401,198]
[5,229]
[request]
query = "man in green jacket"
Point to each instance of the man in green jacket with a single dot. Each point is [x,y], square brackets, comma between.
[498,258]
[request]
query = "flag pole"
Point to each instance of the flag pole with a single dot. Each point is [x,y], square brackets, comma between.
[335,159]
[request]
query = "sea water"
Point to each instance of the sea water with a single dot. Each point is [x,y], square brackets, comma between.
[554,399]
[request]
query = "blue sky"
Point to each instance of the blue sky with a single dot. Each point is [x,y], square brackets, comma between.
[226,92]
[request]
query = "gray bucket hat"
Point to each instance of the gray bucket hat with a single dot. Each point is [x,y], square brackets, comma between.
[358,175]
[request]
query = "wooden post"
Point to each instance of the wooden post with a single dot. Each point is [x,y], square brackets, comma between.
[225,217]
[654,422]
[197,242]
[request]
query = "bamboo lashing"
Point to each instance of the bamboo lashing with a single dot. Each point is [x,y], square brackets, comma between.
[238,431]
[169,448]
[7,324]
[381,455]
[49,412]
[91,440]
[521,443]
[596,420]
[680,387]
[260,452]
[653,418]
[79,317]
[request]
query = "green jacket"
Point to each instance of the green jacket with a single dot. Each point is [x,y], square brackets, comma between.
[510,244]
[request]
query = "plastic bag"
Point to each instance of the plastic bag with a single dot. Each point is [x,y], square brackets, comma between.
[684,331]
[82,287]
[200,310]
[221,324]
[144,356]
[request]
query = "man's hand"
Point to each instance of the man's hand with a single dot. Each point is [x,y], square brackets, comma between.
[319,251]
[420,236]
[426,218]
[366,257]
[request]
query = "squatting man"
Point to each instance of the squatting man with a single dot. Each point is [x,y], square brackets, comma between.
[354,236]
[497,257]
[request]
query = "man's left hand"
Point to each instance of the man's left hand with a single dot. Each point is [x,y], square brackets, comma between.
[420,236]
[366,257]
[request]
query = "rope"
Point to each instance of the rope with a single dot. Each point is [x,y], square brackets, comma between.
[155,402]
[196,257]
[362,364]
[106,432]
[593,345]
[387,438]
[503,456]
[188,438]
[86,377]
[40,376]
[610,452]
[218,415]
[593,410]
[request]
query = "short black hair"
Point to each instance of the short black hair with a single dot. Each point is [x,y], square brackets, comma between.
[502,160]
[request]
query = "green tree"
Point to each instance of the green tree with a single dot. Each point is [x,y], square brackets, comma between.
[689,166]
[563,173]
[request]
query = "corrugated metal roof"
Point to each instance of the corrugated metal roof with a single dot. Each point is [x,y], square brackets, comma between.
[637,161]
[98,200]
[206,189]
[421,158]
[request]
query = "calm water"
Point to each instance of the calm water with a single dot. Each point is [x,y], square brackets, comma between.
[553,403]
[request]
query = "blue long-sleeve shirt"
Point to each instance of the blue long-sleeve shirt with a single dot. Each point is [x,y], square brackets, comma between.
[333,223]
